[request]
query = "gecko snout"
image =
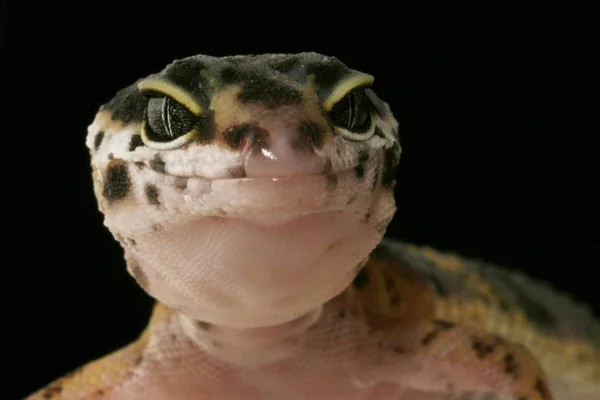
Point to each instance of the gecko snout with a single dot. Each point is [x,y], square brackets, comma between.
[278,150]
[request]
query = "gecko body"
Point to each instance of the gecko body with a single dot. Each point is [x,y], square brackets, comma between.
[250,195]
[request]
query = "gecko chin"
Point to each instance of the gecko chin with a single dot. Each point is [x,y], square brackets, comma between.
[244,270]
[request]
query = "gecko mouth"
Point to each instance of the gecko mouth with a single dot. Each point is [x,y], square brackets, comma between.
[262,197]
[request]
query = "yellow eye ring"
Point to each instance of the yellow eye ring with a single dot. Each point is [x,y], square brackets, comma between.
[173,91]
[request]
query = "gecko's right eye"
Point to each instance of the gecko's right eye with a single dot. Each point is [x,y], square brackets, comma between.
[167,120]
[172,116]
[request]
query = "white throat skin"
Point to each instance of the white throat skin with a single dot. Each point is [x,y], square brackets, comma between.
[246,208]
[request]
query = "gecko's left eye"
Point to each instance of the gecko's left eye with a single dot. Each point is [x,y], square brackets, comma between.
[172,117]
[349,108]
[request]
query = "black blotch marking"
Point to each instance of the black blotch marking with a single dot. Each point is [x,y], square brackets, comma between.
[130,242]
[138,360]
[139,164]
[110,156]
[363,157]
[332,181]
[98,140]
[157,228]
[181,182]
[375,180]
[117,183]
[341,314]
[542,388]
[361,279]
[268,92]
[511,366]
[157,164]
[139,275]
[53,390]
[204,325]
[128,105]
[366,218]
[135,142]
[99,392]
[399,350]
[152,193]
[234,135]
[481,349]
[313,132]
[360,171]
[207,127]
[389,169]
[439,326]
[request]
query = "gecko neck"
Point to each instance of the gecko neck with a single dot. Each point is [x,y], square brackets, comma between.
[250,346]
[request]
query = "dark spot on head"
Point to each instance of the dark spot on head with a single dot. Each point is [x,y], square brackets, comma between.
[138,360]
[429,337]
[375,180]
[138,274]
[332,181]
[366,218]
[157,164]
[359,170]
[152,193]
[99,392]
[481,348]
[116,183]
[399,350]
[130,242]
[230,75]
[98,140]
[203,325]
[157,228]
[139,164]
[511,367]
[363,157]
[389,169]
[110,156]
[269,93]
[542,389]
[181,182]
[128,105]
[342,314]
[439,326]
[234,135]
[361,279]
[135,142]
[445,325]
[313,132]
[207,127]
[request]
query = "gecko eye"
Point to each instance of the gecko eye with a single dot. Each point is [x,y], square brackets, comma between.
[167,120]
[352,114]
[172,115]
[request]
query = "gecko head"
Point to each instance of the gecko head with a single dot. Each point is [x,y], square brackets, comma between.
[246,190]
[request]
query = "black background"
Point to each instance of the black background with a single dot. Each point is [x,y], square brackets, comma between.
[498,128]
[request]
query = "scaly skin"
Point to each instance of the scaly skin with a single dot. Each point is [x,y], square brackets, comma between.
[250,195]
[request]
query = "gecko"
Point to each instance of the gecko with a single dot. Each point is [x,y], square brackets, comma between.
[250,195]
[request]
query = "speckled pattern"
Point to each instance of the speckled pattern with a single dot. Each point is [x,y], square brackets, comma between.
[250,195]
